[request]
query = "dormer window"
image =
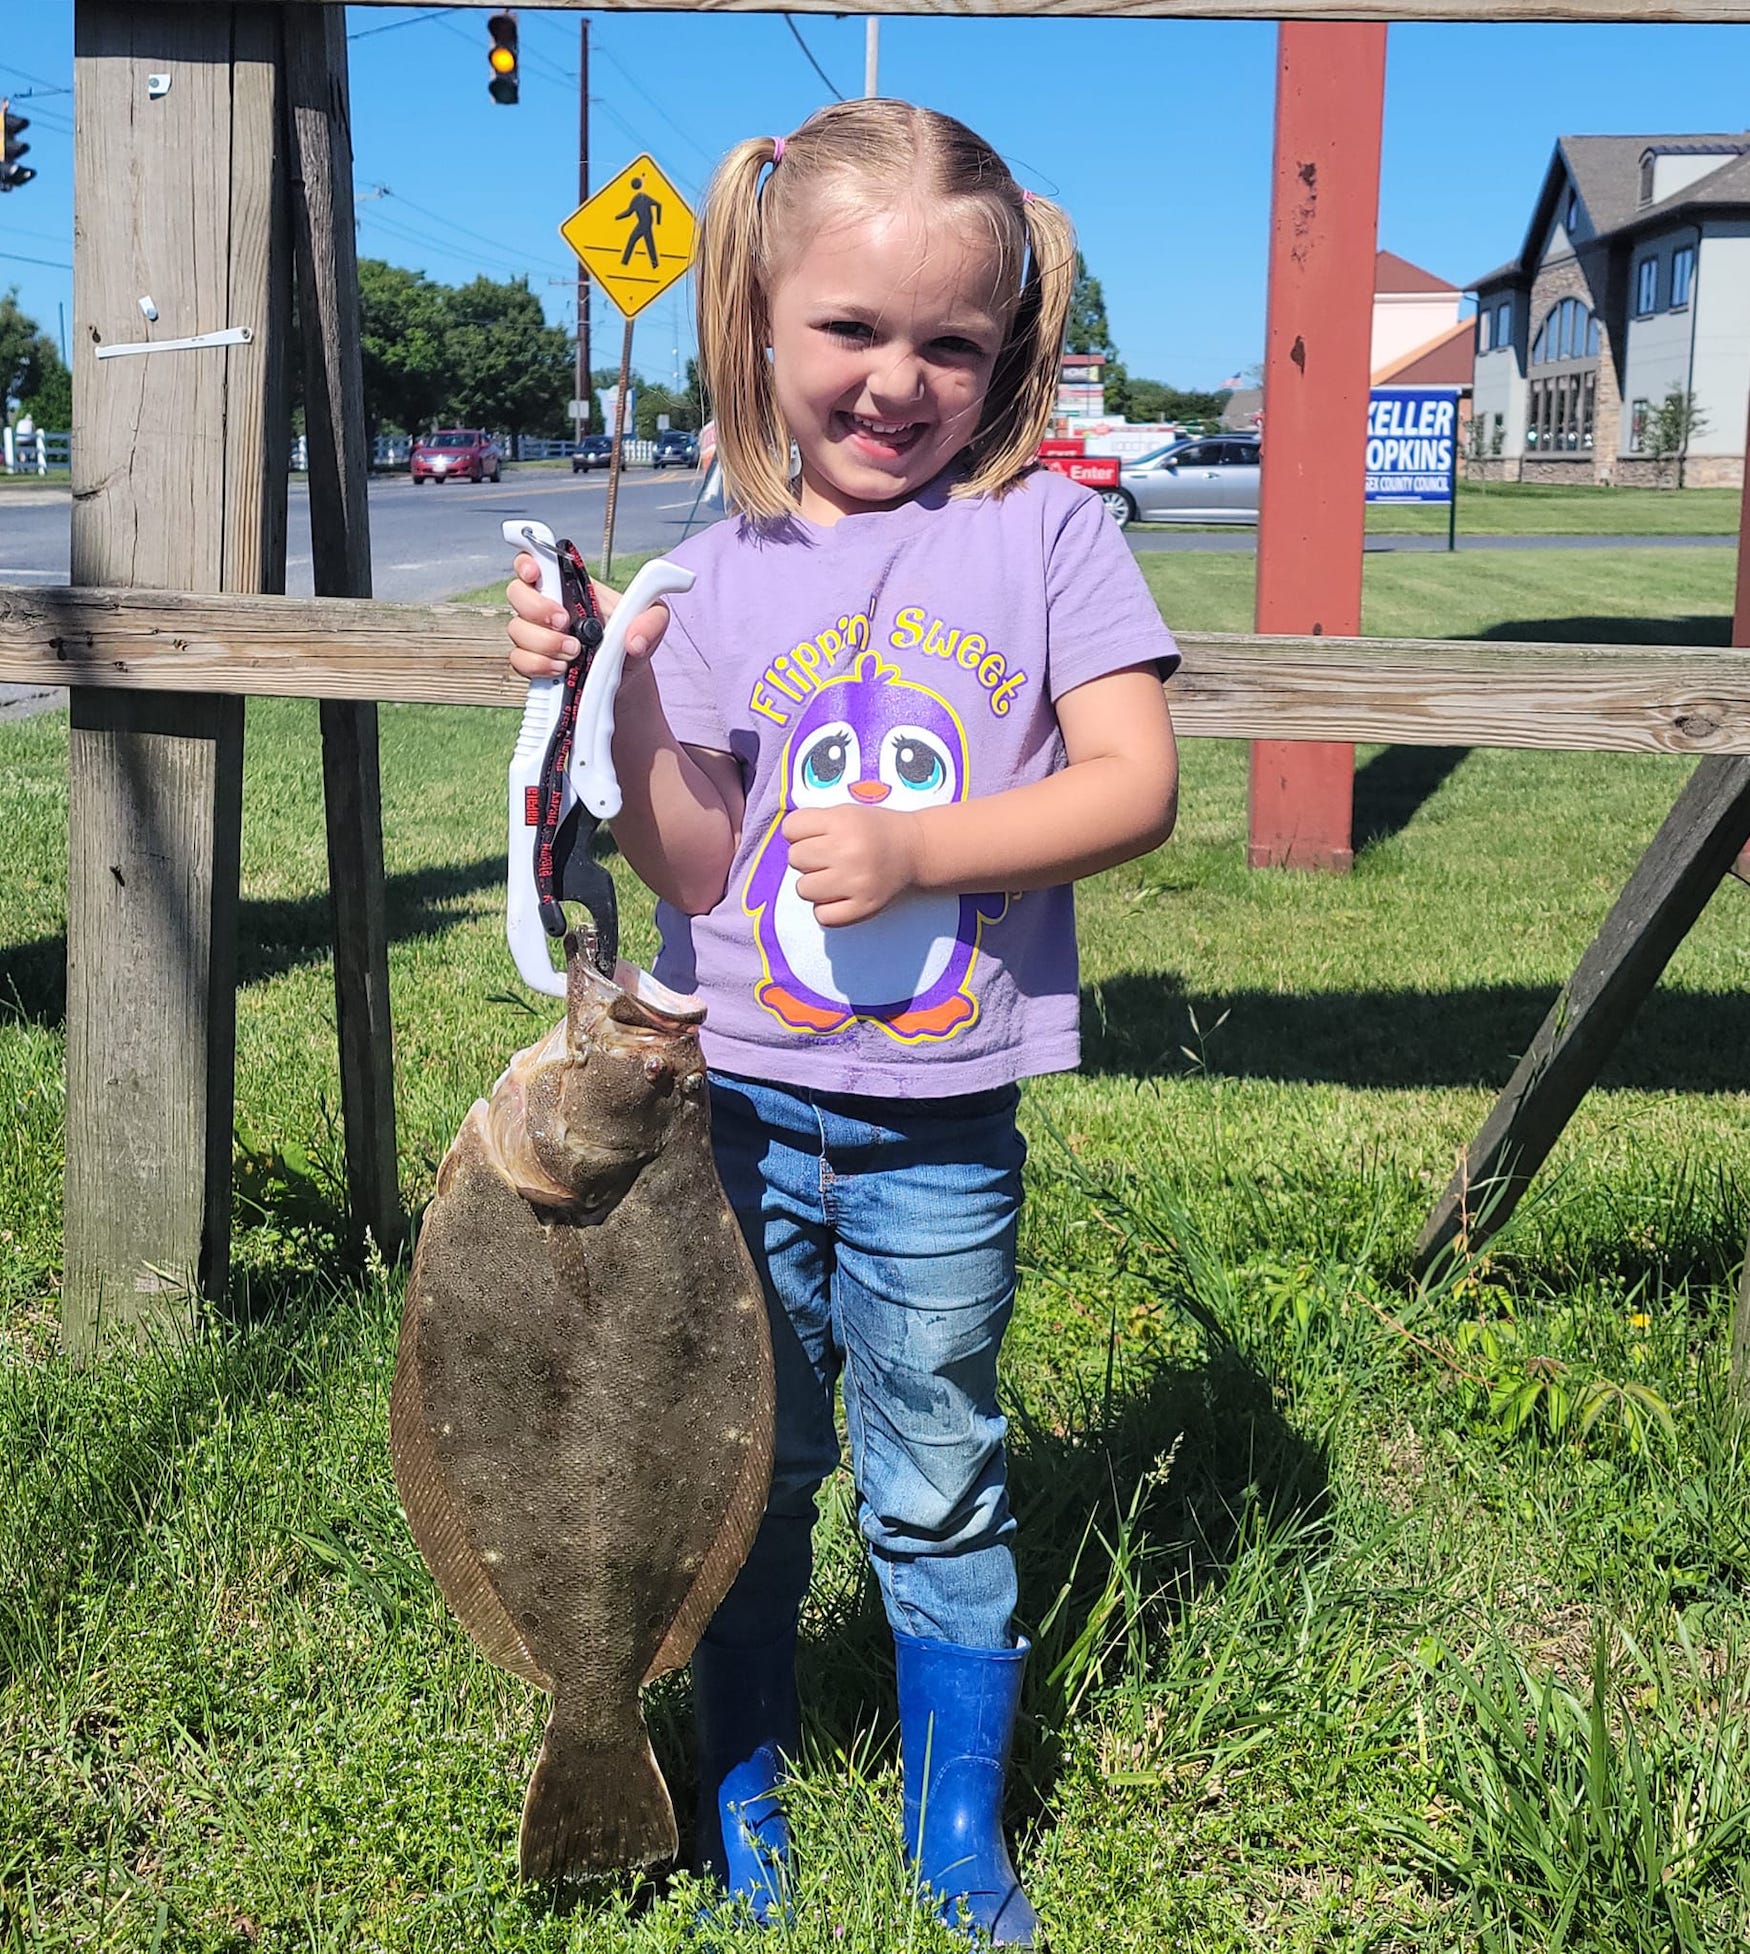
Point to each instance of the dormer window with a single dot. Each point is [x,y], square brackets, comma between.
[1573,216]
[1646,190]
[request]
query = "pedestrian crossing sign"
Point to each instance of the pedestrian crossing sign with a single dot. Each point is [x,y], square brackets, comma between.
[635,235]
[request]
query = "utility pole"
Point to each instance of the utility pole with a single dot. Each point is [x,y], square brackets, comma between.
[871,53]
[582,395]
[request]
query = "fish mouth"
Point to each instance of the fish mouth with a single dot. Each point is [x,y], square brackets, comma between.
[633,997]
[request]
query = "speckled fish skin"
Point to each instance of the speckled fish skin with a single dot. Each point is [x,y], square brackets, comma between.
[581,1422]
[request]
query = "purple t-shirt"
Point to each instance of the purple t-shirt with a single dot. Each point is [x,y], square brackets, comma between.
[906,658]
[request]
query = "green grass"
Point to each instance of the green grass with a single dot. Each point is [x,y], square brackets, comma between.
[1547,509]
[1351,1633]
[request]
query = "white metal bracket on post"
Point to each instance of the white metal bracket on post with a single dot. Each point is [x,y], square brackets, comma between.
[230,336]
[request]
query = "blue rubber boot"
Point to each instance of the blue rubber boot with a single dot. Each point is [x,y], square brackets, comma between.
[744,1705]
[956,1717]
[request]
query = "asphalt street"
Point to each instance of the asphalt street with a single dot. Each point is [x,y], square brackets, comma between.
[438,541]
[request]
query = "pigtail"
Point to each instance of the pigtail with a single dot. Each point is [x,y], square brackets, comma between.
[1024,383]
[753,445]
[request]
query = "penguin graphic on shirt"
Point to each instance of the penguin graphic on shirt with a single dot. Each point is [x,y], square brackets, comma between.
[886,741]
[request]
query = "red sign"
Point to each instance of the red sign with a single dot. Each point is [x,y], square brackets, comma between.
[1059,445]
[1096,471]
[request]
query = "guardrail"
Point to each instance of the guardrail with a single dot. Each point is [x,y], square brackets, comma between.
[35,453]
[392,450]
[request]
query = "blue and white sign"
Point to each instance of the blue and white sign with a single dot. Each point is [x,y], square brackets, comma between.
[1412,445]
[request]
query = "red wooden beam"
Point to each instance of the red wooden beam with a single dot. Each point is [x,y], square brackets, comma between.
[1324,221]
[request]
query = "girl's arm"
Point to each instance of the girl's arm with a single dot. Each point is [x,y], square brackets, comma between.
[681,816]
[1117,797]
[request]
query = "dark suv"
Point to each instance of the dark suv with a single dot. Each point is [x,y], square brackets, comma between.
[676,445]
[468,452]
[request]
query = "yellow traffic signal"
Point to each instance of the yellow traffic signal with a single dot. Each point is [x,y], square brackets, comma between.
[502,58]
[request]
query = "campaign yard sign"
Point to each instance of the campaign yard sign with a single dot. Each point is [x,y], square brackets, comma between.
[1412,445]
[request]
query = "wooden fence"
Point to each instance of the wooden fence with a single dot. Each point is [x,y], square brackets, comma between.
[220,194]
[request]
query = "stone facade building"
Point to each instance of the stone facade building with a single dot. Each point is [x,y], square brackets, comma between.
[1633,284]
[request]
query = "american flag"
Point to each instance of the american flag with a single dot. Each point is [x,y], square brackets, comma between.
[1232,385]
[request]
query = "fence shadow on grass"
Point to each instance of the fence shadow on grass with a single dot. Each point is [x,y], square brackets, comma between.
[1392,787]
[1134,1025]
[1700,628]
[273,936]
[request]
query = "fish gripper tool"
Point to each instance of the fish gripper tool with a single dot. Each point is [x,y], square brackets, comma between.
[562,780]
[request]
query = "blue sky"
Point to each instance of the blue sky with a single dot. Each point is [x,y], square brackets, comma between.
[1155,134]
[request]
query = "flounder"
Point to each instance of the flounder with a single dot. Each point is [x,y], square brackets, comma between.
[581,1422]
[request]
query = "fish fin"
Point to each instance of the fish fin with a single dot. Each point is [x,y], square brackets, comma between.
[436,1524]
[594,1808]
[735,1538]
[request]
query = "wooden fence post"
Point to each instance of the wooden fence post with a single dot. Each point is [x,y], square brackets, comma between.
[340,547]
[179,482]
[1312,516]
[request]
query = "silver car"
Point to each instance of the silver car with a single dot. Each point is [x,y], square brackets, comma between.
[1208,478]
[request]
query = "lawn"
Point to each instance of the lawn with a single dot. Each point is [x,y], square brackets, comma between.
[1369,1616]
[1549,509]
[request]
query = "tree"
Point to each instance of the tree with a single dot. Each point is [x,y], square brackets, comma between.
[1670,428]
[401,339]
[1156,400]
[27,353]
[505,366]
[50,402]
[1087,330]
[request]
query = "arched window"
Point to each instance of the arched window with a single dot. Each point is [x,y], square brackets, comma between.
[1560,406]
[1568,332]
[1648,165]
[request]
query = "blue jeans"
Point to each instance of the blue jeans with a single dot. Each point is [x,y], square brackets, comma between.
[884,1234]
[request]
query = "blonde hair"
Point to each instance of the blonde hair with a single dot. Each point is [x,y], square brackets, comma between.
[841,160]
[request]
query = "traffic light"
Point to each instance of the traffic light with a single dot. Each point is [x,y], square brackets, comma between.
[502,58]
[13,174]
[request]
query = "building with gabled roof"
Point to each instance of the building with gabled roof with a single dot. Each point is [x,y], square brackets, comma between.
[1632,284]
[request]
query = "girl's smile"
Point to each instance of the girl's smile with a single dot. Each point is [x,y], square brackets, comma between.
[884,336]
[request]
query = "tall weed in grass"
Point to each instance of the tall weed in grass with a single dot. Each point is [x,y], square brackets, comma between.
[1618,1820]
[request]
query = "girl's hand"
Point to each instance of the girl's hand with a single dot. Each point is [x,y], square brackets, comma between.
[541,647]
[852,861]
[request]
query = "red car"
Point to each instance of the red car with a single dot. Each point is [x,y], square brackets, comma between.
[468,452]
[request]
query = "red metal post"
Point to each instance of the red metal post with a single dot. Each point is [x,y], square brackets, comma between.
[1324,221]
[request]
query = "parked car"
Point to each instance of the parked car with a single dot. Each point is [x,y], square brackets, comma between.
[675,445]
[1207,478]
[467,452]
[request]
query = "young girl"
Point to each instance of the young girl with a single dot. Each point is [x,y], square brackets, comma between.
[914,694]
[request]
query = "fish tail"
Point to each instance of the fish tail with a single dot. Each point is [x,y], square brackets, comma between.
[593,1806]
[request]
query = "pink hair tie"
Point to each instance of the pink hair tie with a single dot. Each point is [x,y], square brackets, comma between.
[777,151]
[1026,196]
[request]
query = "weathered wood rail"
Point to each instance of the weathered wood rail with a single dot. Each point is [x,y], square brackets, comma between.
[1409,10]
[1405,691]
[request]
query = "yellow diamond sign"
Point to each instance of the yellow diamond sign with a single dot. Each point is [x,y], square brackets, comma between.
[635,236]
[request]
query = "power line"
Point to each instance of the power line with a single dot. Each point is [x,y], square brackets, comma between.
[462,253]
[790,23]
[608,56]
[24,74]
[18,258]
[389,27]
